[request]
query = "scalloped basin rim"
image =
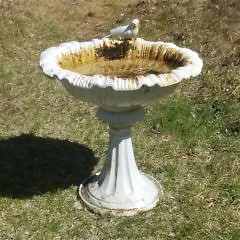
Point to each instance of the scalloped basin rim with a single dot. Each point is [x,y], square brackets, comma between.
[166,63]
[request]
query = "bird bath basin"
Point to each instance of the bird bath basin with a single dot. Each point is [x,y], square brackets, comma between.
[120,76]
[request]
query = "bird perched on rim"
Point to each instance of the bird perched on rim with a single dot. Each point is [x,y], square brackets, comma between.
[125,32]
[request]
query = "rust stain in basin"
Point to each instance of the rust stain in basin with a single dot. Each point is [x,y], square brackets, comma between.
[174,58]
[126,59]
[114,50]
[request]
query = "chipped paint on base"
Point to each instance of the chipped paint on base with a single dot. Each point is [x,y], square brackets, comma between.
[84,198]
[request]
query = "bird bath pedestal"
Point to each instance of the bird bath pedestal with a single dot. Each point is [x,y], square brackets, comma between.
[120,187]
[120,77]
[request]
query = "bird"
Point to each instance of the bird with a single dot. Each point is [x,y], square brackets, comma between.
[125,32]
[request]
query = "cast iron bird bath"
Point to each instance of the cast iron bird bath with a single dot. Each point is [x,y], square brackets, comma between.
[120,77]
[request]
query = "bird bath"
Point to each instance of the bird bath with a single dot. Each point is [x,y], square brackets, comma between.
[120,77]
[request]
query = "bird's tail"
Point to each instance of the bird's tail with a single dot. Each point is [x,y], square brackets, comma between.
[108,36]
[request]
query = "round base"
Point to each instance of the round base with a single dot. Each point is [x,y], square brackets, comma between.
[84,197]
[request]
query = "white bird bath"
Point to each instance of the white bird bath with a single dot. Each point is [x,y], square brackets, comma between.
[120,77]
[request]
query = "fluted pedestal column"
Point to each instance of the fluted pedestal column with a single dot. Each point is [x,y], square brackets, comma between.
[120,188]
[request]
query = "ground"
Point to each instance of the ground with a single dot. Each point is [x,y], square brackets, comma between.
[49,141]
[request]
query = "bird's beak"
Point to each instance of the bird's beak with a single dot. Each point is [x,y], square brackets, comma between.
[134,25]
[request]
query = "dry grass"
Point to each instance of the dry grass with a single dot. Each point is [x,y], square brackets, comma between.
[51,141]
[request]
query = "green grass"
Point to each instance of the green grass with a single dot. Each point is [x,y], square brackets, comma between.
[195,120]
[49,141]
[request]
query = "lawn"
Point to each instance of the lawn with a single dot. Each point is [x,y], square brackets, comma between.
[50,142]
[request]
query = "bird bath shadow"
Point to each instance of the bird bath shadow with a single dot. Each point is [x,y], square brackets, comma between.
[31,165]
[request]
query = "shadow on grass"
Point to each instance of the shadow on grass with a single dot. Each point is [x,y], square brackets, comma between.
[31,165]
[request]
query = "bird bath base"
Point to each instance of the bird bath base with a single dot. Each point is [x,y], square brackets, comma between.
[120,189]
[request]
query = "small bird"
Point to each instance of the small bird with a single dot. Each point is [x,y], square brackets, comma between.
[125,32]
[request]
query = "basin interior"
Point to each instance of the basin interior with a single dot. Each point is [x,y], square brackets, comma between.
[126,59]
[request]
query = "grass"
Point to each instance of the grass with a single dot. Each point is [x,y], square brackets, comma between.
[49,141]
[196,120]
